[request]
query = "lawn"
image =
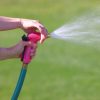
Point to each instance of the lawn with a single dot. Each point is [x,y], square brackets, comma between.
[61,70]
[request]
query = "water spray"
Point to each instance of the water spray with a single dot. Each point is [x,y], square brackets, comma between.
[84,30]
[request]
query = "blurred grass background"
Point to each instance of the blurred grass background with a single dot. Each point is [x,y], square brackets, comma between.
[61,70]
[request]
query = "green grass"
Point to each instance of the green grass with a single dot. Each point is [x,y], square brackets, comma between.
[61,70]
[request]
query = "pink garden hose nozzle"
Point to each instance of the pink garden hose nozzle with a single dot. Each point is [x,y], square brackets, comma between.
[33,37]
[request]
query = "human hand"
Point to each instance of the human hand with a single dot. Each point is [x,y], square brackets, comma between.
[27,24]
[17,50]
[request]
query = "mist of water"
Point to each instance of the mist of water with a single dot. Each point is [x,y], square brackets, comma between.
[85,30]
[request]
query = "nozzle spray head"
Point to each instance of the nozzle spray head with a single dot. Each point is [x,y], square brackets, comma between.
[49,36]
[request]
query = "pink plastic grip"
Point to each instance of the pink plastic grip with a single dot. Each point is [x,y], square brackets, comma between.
[34,38]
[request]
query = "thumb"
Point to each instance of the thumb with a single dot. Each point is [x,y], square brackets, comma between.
[42,38]
[26,43]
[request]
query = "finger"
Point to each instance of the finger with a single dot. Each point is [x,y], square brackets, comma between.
[34,45]
[43,30]
[44,35]
[42,38]
[33,53]
[26,43]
